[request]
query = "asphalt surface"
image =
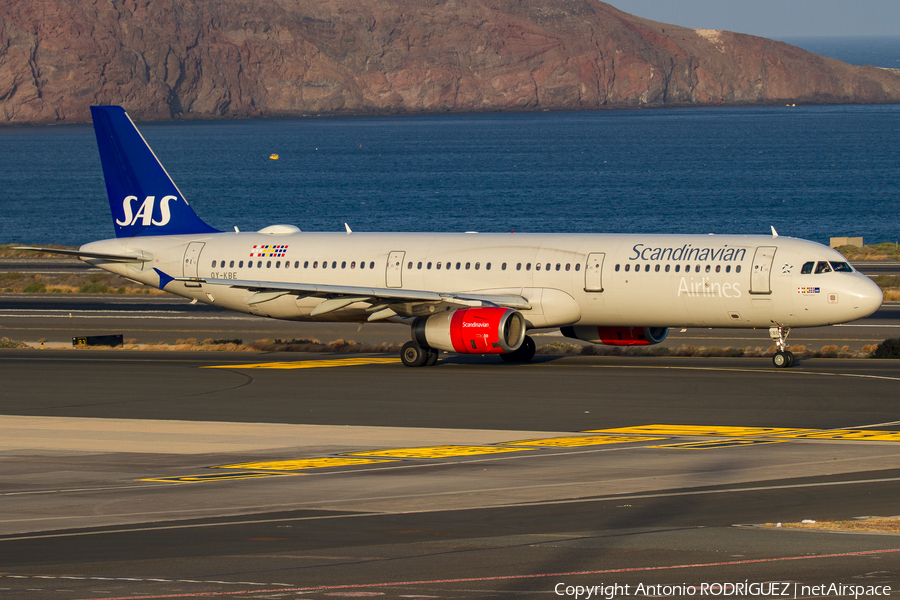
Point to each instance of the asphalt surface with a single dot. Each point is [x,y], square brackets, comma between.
[169,474]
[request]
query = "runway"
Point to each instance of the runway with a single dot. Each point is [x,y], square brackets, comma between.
[167,319]
[282,475]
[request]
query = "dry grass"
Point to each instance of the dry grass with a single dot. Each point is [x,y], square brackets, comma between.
[686,350]
[885,251]
[873,525]
[76,283]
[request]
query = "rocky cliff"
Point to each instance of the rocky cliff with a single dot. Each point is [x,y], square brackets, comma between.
[165,59]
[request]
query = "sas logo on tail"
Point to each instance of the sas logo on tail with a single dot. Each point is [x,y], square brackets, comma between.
[145,212]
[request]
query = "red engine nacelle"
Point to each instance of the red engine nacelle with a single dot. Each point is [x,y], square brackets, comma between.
[471,331]
[617,336]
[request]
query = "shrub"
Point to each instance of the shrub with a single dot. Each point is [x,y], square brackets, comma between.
[889,348]
[35,287]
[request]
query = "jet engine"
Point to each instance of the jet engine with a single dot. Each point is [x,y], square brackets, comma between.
[471,331]
[617,336]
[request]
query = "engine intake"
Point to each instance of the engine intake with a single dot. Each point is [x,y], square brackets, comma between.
[617,336]
[471,331]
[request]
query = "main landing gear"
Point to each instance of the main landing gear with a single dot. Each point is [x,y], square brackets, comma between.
[523,354]
[784,358]
[414,355]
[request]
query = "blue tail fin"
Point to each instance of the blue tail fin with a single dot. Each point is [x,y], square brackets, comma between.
[142,196]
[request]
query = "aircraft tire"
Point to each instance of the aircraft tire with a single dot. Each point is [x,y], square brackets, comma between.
[790,358]
[413,355]
[524,353]
[431,357]
[781,360]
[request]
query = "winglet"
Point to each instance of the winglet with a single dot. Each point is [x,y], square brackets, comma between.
[163,278]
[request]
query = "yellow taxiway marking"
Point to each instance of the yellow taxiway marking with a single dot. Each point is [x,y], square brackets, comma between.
[717,444]
[435,451]
[585,440]
[212,477]
[311,364]
[301,464]
[703,430]
[846,434]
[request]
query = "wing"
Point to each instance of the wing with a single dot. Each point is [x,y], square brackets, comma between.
[384,302]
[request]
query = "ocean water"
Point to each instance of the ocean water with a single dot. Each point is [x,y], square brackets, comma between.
[811,172]
[878,51]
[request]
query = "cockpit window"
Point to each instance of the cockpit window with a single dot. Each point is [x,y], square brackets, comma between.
[841,267]
[808,268]
[823,267]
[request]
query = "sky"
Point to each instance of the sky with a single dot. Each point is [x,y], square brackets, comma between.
[777,19]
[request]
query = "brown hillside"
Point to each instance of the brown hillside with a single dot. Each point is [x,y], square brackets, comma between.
[210,58]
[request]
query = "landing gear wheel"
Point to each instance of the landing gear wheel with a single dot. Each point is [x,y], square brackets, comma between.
[413,355]
[783,360]
[431,357]
[524,353]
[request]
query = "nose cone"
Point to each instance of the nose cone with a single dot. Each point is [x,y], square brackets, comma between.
[866,298]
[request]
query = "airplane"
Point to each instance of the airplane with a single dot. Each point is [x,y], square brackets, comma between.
[466,293]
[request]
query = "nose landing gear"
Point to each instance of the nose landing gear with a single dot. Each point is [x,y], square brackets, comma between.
[784,358]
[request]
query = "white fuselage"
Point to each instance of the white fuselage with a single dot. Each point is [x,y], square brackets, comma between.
[568,279]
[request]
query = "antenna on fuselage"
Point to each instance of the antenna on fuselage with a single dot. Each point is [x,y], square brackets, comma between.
[774,233]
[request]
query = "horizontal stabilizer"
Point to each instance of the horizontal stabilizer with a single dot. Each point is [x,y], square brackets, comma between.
[82,254]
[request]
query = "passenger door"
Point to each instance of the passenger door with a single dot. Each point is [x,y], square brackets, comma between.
[394,274]
[760,276]
[593,272]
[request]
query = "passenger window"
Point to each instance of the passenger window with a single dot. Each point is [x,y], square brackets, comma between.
[841,267]
[708,267]
[737,269]
[677,268]
[548,267]
[467,266]
[728,268]
[316,265]
[353,264]
[568,266]
[519,267]
[647,268]
[278,265]
[306,264]
[457,266]
[343,264]
[627,268]
[409,266]
[503,267]
[477,266]
[668,267]
[697,270]
[241,265]
[577,266]
[558,266]
[528,266]
[487,266]
[419,265]
[428,266]
[637,268]
[268,264]
[807,268]
[617,268]
[718,268]
[823,267]
[537,266]
[362,264]
[287,264]
[438,266]
[324,264]
[372,264]
[231,265]
[656,268]
[334,264]
[296,264]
